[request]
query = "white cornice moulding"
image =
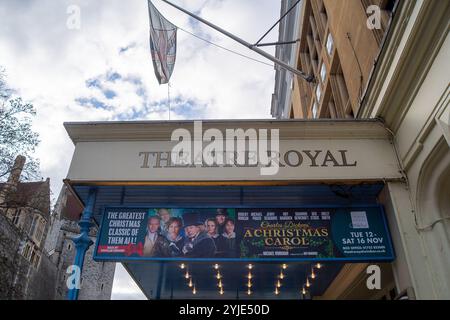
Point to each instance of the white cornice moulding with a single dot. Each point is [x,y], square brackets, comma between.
[162,130]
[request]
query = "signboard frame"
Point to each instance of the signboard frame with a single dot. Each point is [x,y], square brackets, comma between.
[122,259]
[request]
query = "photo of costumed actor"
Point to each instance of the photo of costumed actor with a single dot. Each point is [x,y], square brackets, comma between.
[155,244]
[197,243]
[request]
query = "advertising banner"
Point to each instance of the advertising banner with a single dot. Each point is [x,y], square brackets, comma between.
[250,234]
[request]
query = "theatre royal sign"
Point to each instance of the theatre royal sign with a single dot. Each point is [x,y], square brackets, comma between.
[250,150]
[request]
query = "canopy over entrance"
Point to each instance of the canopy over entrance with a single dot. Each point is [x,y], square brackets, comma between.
[321,164]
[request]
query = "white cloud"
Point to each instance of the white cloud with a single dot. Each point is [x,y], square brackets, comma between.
[124,287]
[48,64]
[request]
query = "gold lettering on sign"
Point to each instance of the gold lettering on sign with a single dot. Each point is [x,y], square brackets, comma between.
[292,158]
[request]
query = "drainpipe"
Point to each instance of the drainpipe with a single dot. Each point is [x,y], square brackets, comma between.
[83,241]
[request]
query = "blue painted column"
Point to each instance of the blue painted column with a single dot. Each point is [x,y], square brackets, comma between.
[83,241]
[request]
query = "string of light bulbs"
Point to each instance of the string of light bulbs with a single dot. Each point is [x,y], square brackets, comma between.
[188,277]
[219,278]
[249,277]
[280,278]
[313,276]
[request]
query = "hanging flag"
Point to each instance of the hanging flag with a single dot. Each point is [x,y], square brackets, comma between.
[163,44]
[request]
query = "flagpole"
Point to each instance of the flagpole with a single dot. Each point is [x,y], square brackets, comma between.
[168,96]
[308,78]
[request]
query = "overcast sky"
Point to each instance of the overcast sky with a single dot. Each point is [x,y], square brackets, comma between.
[103,70]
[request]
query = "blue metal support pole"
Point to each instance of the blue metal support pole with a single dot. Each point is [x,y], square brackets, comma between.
[83,241]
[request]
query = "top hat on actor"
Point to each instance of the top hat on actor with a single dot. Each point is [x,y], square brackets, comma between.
[191,219]
[221,215]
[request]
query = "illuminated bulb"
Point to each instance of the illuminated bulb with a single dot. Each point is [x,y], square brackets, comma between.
[249,276]
[284,266]
[304,291]
[313,275]
[250,266]
[220,284]
[218,276]
[278,284]
[318,266]
[277,291]
[216,266]
[186,275]
[281,276]
[249,284]
[221,291]
[308,284]
[182,266]
[194,291]
[190,283]
[249,292]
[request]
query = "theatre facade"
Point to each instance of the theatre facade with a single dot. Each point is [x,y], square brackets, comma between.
[354,208]
[324,223]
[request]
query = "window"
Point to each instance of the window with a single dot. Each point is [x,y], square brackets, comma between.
[323,72]
[33,225]
[30,252]
[330,44]
[26,251]
[33,254]
[16,217]
[318,92]
[390,5]
[34,257]
[37,228]
[36,260]
[314,110]
[323,14]
[40,230]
